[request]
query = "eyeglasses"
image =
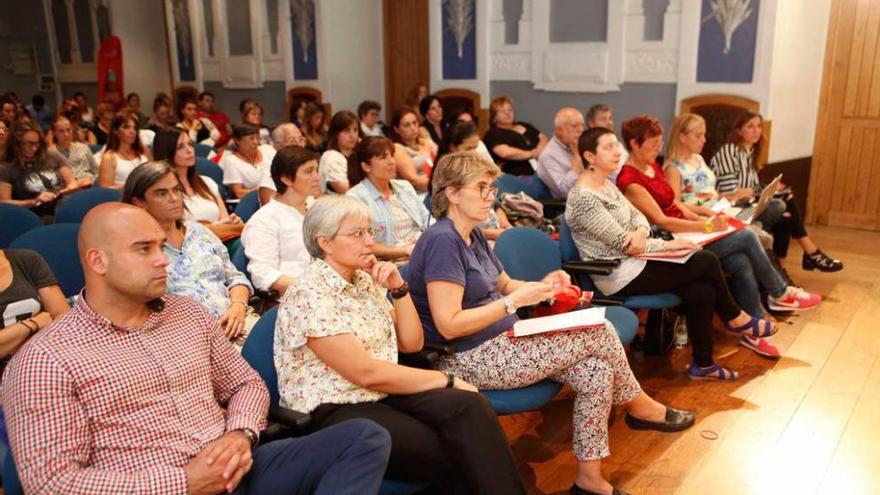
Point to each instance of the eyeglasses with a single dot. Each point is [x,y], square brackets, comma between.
[485,191]
[360,234]
[33,144]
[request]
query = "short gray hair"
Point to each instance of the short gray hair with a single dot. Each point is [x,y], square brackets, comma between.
[325,216]
[279,134]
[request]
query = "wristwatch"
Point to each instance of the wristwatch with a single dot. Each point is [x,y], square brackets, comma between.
[252,437]
[509,306]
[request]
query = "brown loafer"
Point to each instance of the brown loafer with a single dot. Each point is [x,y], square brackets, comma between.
[676,420]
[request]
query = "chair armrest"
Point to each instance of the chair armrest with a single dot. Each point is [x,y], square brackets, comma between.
[290,418]
[442,349]
[427,358]
[587,267]
[555,203]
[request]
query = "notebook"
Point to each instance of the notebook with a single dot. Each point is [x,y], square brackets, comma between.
[583,319]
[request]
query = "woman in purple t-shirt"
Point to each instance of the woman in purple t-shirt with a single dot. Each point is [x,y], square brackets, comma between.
[464,297]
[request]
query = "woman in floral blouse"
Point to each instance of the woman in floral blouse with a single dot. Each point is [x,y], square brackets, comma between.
[336,342]
[199,265]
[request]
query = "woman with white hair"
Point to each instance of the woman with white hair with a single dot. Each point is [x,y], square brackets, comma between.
[336,342]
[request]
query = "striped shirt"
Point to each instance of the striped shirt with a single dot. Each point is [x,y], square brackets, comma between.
[600,222]
[733,168]
[93,407]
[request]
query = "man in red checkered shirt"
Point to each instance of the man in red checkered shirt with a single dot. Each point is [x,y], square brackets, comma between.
[136,392]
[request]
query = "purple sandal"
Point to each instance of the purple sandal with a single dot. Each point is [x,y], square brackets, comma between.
[713,372]
[754,328]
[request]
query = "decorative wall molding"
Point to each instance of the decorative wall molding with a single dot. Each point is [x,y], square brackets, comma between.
[511,66]
[651,66]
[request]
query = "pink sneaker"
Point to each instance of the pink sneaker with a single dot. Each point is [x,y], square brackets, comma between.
[762,346]
[794,299]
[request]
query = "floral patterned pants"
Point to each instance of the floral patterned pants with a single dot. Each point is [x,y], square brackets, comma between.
[592,361]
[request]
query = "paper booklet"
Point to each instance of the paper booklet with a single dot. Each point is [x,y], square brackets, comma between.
[703,239]
[678,256]
[583,319]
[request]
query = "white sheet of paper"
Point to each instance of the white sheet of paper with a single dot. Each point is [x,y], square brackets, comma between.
[582,318]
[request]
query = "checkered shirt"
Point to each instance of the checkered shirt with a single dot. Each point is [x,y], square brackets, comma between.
[92,407]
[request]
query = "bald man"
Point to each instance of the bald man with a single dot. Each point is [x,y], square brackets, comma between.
[133,391]
[559,165]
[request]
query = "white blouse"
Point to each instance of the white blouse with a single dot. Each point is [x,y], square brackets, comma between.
[201,209]
[273,244]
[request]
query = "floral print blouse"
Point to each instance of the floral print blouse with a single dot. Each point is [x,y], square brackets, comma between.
[320,304]
[202,270]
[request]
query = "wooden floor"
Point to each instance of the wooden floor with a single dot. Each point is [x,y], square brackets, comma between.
[808,423]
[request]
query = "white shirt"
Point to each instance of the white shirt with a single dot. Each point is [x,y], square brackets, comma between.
[266,176]
[333,167]
[124,167]
[375,131]
[238,171]
[201,209]
[273,244]
[147,136]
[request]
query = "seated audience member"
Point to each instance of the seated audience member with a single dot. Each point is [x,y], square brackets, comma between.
[124,151]
[741,254]
[413,154]
[85,111]
[199,265]
[202,438]
[343,136]
[398,215]
[514,145]
[39,113]
[463,136]
[415,95]
[560,165]
[735,166]
[161,118]
[464,115]
[217,117]
[201,195]
[243,166]
[273,237]
[464,298]
[368,114]
[252,113]
[601,115]
[200,129]
[287,134]
[29,301]
[340,365]
[298,110]
[133,103]
[314,129]
[606,226]
[79,157]
[102,128]
[432,114]
[8,111]
[31,175]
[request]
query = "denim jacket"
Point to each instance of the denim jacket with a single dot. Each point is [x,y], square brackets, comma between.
[383,220]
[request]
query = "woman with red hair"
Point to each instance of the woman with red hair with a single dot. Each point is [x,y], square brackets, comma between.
[642,182]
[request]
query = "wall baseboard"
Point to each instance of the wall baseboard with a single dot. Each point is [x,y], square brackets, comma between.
[796,174]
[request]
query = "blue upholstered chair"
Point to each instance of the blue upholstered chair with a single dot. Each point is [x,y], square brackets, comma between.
[74,207]
[248,205]
[202,150]
[258,352]
[57,245]
[569,253]
[16,220]
[210,169]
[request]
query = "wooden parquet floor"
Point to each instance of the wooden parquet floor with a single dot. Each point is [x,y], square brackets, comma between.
[807,423]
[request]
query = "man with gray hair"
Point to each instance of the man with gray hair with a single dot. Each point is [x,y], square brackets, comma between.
[287,134]
[602,115]
[559,165]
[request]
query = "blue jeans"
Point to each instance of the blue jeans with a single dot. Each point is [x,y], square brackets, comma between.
[348,458]
[744,259]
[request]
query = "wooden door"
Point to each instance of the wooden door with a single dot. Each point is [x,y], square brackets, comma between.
[845,189]
[405,23]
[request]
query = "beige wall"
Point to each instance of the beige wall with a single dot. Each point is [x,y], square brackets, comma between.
[140,24]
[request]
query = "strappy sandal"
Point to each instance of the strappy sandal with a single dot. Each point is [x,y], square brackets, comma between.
[713,372]
[754,328]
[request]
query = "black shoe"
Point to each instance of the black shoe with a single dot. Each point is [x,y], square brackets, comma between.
[819,261]
[676,420]
[576,490]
